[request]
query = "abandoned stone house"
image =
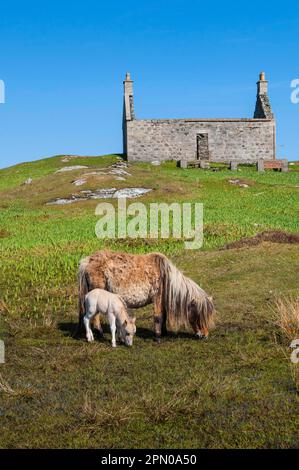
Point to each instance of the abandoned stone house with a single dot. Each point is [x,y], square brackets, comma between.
[217,140]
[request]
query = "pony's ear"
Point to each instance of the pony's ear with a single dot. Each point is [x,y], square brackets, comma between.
[125,323]
[133,320]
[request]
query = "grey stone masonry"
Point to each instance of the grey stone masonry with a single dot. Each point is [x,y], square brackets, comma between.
[219,140]
[263,108]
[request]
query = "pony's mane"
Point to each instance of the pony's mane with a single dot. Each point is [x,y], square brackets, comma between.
[179,292]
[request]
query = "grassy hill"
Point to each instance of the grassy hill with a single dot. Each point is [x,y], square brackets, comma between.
[237,389]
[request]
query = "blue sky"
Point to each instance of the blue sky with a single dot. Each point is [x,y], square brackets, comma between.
[63,63]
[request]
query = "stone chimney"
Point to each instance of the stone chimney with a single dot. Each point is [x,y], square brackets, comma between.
[263,108]
[128,110]
[128,98]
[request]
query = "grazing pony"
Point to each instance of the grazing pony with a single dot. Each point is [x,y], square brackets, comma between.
[100,301]
[144,279]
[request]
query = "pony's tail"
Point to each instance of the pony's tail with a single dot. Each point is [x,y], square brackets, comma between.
[82,291]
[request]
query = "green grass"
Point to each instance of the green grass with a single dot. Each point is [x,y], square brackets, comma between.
[235,390]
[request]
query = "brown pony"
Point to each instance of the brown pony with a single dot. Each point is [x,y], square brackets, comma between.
[144,279]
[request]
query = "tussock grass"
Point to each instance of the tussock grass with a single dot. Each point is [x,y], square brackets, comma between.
[286,317]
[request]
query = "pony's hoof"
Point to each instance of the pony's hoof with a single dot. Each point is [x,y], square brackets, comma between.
[158,341]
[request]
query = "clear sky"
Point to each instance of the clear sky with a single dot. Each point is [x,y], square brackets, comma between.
[63,63]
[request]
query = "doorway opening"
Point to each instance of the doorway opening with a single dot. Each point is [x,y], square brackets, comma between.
[202,149]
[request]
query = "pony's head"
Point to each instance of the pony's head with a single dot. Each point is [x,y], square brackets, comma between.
[201,310]
[127,331]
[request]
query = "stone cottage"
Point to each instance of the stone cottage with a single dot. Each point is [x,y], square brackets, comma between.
[217,140]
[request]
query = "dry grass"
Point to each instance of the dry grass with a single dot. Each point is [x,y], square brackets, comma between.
[286,317]
[193,400]
[113,415]
[24,392]
[5,387]
[3,307]
[4,233]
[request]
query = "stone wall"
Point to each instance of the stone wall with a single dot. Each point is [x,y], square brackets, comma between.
[228,139]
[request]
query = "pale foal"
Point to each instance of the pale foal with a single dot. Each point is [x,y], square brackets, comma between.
[104,302]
